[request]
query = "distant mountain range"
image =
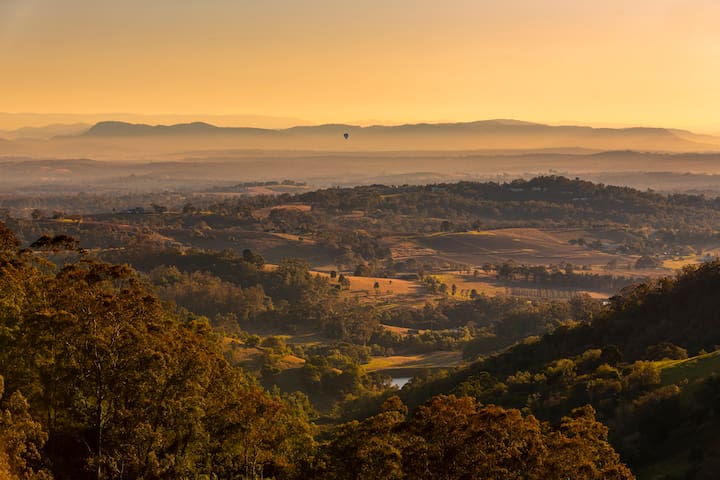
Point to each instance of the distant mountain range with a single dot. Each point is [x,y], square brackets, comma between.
[46,132]
[124,129]
[118,140]
[487,134]
[13,121]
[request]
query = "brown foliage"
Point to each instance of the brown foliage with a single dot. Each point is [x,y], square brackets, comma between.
[457,438]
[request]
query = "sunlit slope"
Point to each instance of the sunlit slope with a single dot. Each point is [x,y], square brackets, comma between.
[522,245]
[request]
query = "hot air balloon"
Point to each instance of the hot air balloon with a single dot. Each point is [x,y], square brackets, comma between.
[346,135]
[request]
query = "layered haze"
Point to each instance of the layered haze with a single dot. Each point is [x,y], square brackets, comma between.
[641,63]
[120,156]
[220,92]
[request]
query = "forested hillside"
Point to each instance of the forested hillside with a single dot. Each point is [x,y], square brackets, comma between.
[101,380]
[648,365]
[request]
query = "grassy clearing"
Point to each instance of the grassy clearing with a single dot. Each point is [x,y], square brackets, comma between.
[265,212]
[483,284]
[295,238]
[489,285]
[309,337]
[390,290]
[240,354]
[394,329]
[680,262]
[398,363]
[237,353]
[694,368]
[290,361]
[301,336]
[388,286]
[523,245]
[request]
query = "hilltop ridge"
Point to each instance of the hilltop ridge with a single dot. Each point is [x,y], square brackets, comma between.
[482,134]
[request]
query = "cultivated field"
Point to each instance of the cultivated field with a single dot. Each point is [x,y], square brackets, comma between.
[523,245]
[387,286]
[482,284]
[390,292]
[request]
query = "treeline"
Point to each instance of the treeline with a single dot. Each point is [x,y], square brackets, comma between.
[349,223]
[564,275]
[679,222]
[546,199]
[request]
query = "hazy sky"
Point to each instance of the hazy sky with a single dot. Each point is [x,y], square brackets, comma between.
[654,62]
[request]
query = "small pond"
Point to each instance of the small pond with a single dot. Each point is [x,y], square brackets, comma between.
[399,382]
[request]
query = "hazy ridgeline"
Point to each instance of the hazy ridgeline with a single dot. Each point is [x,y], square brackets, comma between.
[115,156]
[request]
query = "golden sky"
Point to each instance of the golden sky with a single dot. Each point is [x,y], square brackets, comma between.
[618,62]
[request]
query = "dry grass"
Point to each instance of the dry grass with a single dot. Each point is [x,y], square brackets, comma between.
[429,360]
[265,212]
[295,238]
[483,284]
[307,337]
[275,189]
[394,329]
[388,286]
[523,245]
[239,353]
[678,263]
[290,361]
[390,289]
